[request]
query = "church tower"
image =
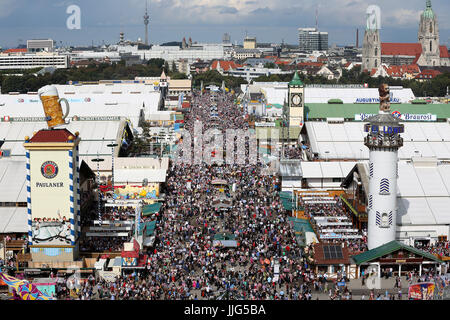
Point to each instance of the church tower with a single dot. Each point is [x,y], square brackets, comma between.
[371,51]
[429,38]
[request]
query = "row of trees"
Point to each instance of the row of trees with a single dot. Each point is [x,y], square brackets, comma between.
[29,81]
[215,78]
[436,87]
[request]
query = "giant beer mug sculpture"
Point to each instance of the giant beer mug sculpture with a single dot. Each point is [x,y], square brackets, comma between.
[52,106]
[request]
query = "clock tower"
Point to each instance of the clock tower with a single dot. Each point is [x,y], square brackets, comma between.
[296,96]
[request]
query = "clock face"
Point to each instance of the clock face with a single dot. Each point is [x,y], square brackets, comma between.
[296,99]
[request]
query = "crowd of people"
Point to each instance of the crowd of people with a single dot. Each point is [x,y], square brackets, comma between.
[335,225]
[440,248]
[293,152]
[102,244]
[118,213]
[184,263]
[265,262]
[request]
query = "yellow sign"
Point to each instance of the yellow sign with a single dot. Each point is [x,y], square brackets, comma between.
[137,193]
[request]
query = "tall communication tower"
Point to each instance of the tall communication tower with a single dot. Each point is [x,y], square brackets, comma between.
[146,21]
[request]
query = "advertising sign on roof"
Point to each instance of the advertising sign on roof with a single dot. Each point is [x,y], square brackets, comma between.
[375,100]
[264,124]
[110,118]
[336,86]
[404,116]
[22,119]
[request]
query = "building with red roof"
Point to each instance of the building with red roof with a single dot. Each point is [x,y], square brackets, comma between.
[24,50]
[403,71]
[53,135]
[427,74]
[427,52]
[224,65]
[408,53]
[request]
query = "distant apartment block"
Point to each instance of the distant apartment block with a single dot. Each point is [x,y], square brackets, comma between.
[310,39]
[249,43]
[40,45]
[33,60]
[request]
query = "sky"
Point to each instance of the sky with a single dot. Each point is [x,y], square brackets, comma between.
[207,20]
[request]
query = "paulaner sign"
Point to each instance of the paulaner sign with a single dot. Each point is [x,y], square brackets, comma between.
[404,116]
[49,184]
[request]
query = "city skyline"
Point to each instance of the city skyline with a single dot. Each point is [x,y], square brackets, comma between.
[207,21]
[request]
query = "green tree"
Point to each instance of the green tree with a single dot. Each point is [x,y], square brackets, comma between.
[270,65]
[174,67]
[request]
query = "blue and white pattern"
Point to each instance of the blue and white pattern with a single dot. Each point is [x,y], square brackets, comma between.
[370,201]
[51,252]
[384,186]
[77,163]
[30,232]
[72,208]
[384,220]
[371,170]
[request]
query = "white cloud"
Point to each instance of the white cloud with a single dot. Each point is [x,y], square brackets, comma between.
[402,17]
[7,7]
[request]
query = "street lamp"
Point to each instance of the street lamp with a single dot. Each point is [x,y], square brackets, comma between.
[112,146]
[98,160]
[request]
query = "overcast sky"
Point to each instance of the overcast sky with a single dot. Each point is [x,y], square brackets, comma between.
[208,20]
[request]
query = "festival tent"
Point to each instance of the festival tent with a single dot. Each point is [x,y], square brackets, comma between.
[151,209]
[304,232]
[149,227]
[286,200]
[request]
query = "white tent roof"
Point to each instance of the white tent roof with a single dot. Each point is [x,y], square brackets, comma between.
[417,210]
[349,95]
[423,193]
[13,219]
[13,181]
[277,91]
[95,135]
[89,101]
[345,140]
[311,170]
[138,175]
[326,169]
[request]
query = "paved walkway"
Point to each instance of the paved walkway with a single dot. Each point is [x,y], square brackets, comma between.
[358,290]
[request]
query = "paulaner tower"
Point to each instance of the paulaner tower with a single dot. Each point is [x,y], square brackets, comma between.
[383,141]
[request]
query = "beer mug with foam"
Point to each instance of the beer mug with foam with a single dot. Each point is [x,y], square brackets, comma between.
[52,106]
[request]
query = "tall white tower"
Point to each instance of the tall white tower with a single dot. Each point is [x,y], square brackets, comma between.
[383,141]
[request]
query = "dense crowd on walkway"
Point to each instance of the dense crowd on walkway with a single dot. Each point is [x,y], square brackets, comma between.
[185,264]
[439,247]
[337,223]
